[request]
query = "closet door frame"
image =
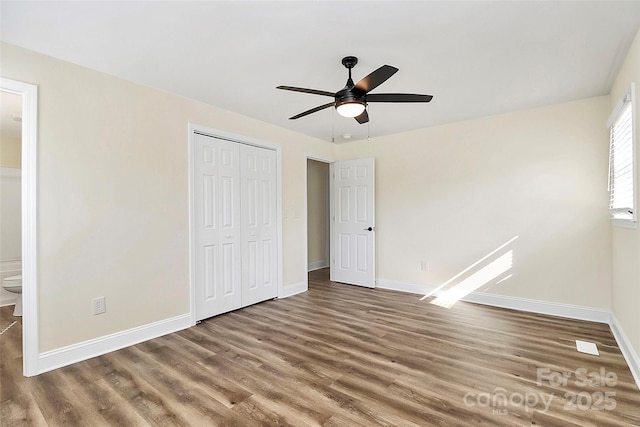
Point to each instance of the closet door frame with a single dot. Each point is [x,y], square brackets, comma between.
[216,133]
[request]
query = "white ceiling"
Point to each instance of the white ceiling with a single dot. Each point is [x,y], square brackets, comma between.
[477,58]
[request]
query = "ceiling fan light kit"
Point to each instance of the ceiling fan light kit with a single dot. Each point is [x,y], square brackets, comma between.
[350,108]
[351,101]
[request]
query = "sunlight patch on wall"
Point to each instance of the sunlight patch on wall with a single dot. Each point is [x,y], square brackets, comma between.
[447,298]
[481,277]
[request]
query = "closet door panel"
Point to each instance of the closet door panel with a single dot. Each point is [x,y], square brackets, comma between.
[259,246]
[217,226]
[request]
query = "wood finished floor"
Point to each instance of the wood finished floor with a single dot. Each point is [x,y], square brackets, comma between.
[337,355]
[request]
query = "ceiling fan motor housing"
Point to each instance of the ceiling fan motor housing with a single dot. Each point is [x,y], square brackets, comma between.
[350,95]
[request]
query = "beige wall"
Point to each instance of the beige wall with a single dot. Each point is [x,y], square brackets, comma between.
[626,242]
[317,204]
[450,195]
[10,219]
[10,152]
[113,196]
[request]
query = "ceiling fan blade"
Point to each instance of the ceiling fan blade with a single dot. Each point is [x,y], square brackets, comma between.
[313,110]
[363,117]
[304,90]
[376,78]
[398,97]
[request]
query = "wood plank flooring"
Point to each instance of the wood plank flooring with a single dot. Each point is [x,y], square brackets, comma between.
[337,355]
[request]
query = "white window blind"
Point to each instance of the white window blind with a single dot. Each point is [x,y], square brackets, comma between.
[621,160]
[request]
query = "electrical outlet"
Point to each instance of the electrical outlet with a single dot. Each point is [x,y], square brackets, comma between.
[99,305]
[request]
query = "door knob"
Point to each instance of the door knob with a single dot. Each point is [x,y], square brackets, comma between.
[227,235]
[368,229]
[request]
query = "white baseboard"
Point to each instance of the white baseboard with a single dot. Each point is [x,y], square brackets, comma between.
[514,303]
[540,307]
[64,356]
[626,348]
[317,265]
[411,288]
[294,289]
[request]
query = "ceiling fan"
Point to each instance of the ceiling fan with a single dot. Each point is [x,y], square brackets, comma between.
[352,100]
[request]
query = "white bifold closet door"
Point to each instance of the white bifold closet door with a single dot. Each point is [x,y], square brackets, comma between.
[258,212]
[217,226]
[234,225]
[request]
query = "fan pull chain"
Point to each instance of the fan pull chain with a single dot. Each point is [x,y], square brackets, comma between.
[333,127]
[368,127]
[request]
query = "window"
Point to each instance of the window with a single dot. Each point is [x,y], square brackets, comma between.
[622,161]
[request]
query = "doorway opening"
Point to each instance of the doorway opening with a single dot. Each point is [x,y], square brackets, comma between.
[318,238]
[349,249]
[27,115]
[11,229]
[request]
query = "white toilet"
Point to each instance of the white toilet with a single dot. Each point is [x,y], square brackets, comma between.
[14,284]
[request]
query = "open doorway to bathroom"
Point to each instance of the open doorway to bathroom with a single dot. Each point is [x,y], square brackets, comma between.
[317,215]
[29,356]
[11,229]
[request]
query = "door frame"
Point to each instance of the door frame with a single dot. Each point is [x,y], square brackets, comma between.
[241,139]
[329,161]
[30,337]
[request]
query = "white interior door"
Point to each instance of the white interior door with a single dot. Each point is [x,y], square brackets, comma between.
[259,230]
[217,226]
[353,222]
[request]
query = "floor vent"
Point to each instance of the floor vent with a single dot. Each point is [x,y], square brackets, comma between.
[587,347]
